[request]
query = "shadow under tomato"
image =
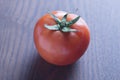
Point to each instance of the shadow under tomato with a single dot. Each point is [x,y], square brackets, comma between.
[41,70]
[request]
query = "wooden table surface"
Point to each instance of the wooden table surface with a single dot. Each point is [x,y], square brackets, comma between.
[19,59]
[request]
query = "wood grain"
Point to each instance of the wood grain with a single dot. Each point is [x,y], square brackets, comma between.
[19,59]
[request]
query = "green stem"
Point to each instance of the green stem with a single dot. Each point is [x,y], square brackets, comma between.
[62,25]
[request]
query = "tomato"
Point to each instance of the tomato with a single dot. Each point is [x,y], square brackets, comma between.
[58,44]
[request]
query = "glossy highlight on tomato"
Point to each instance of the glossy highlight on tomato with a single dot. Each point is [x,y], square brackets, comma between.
[64,45]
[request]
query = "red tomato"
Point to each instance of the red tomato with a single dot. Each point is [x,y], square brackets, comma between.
[61,47]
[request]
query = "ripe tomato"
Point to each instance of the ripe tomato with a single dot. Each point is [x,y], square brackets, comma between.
[58,44]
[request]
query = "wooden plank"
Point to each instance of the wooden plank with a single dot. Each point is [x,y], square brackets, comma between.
[19,59]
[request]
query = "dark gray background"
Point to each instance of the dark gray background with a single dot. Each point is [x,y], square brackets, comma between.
[19,59]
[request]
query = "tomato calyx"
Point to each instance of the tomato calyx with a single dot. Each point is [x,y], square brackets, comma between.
[62,25]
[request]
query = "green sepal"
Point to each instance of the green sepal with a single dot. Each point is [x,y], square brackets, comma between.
[64,18]
[53,27]
[73,21]
[67,29]
[62,25]
[57,20]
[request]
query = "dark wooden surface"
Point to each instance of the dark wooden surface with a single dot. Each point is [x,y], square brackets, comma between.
[19,59]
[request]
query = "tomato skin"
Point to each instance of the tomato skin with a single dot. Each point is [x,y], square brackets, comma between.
[61,48]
